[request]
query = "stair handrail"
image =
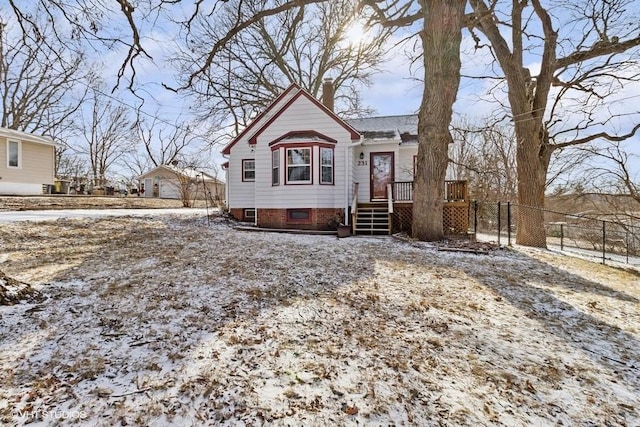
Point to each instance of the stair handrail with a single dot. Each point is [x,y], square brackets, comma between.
[390,205]
[354,206]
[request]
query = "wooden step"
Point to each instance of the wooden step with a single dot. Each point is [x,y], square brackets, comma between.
[372,219]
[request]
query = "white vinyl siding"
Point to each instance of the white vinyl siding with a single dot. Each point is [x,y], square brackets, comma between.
[35,166]
[300,116]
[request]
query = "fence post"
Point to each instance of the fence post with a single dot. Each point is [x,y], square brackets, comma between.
[604,241]
[626,244]
[499,225]
[562,237]
[475,217]
[509,223]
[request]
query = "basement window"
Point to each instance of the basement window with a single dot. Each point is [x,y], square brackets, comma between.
[249,215]
[298,215]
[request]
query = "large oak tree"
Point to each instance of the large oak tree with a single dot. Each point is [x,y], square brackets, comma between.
[585,63]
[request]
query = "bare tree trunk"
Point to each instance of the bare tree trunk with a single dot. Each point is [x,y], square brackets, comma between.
[533,163]
[441,37]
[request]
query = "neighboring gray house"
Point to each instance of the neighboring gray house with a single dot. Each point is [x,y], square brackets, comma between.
[171,182]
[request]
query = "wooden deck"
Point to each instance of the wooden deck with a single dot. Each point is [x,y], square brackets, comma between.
[455,213]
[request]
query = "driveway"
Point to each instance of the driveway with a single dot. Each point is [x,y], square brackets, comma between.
[14,216]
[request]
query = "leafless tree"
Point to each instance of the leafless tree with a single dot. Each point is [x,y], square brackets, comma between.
[583,62]
[38,81]
[484,154]
[164,141]
[609,178]
[107,135]
[304,45]
[70,166]
[101,24]
[42,84]
[438,23]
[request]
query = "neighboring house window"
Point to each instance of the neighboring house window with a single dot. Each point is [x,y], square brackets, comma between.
[13,154]
[298,215]
[275,167]
[298,165]
[415,165]
[249,170]
[326,165]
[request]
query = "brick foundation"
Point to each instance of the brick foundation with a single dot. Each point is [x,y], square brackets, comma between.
[236,213]
[319,219]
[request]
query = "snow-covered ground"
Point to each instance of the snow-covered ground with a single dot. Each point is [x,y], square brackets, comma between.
[48,215]
[170,321]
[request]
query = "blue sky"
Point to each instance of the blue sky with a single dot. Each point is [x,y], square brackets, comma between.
[394,91]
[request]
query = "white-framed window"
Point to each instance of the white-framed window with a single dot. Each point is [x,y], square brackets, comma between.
[14,154]
[275,167]
[299,165]
[248,170]
[326,165]
[249,215]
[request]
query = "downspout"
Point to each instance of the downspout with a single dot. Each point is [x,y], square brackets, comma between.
[226,181]
[347,169]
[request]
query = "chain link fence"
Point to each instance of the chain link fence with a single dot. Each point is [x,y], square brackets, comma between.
[581,234]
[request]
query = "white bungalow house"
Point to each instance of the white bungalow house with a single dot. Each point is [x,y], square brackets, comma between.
[27,163]
[299,165]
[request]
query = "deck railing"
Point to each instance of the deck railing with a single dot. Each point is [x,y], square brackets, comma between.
[454,190]
[402,191]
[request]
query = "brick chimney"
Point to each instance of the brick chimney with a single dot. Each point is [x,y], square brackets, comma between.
[327,93]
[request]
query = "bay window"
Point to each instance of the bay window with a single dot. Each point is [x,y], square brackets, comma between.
[326,165]
[275,167]
[298,165]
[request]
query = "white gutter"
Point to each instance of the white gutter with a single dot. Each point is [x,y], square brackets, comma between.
[226,179]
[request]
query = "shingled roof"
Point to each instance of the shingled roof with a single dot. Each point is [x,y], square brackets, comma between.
[403,128]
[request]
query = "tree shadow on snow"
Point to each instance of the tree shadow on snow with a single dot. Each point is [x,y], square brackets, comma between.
[539,294]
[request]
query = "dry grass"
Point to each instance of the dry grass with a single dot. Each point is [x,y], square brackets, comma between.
[20,203]
[168,321]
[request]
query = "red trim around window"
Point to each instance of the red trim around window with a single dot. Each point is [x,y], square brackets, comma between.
[254,170]
[299,221]
[333,167]
[300,145]
[275,184]
[247,218]
[303,135]
[286,166]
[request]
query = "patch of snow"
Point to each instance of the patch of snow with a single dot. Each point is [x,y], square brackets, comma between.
[168,320]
